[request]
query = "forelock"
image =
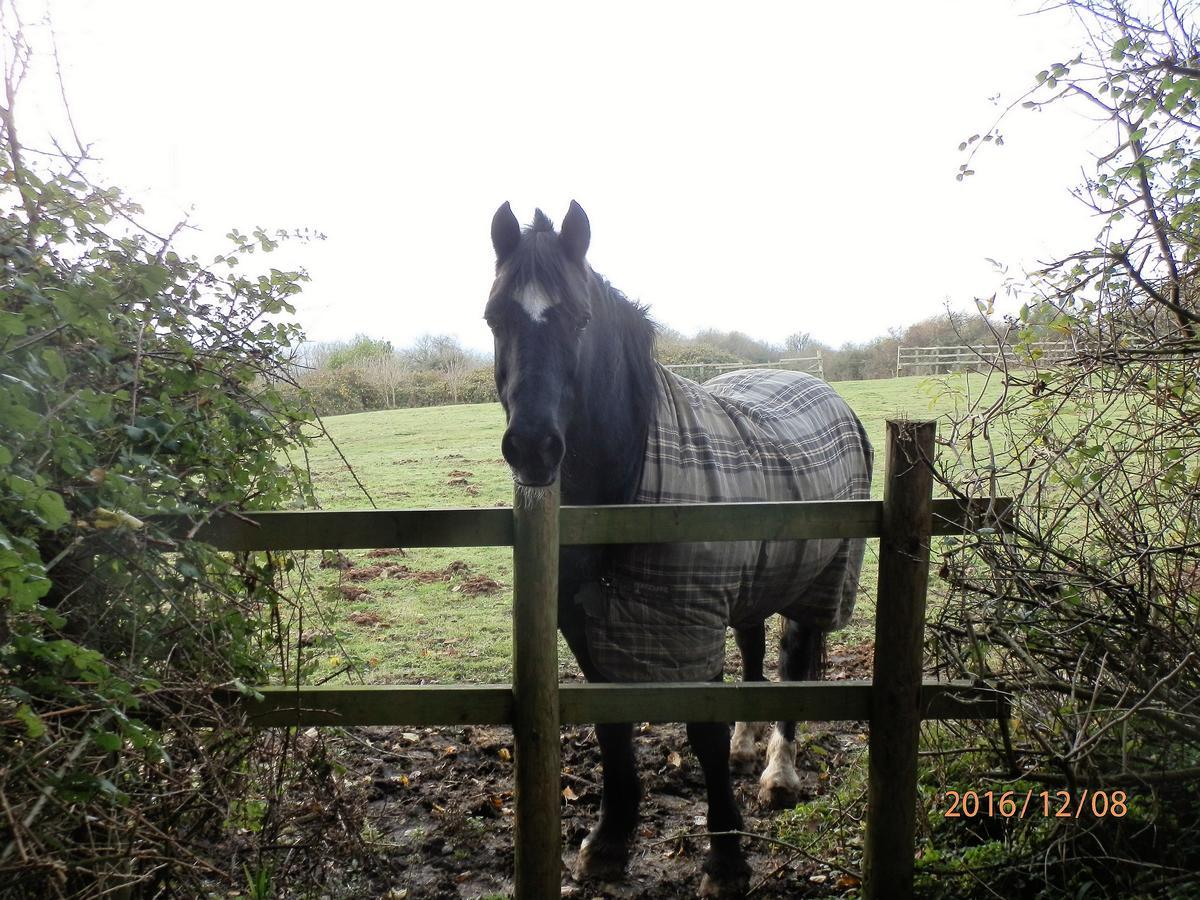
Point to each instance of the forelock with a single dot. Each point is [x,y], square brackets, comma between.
[538,273]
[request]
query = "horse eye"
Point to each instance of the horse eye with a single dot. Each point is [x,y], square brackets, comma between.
[582,323]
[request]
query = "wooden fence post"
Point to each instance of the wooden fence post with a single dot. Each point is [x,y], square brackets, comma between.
[537,833]
[899,638]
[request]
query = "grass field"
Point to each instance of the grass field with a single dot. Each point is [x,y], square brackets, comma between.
[443,619]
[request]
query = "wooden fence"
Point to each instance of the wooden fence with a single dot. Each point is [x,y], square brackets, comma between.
[941,360]
[536,705]
[813,365]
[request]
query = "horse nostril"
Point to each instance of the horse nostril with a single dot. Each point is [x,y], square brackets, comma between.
[510,448]
[552,450]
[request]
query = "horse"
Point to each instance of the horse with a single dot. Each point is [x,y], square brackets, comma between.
[587,404]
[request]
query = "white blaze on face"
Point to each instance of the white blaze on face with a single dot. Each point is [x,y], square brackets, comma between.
[534,301]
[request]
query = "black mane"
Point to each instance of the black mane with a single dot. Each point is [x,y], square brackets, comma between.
[632,329]
[615,400]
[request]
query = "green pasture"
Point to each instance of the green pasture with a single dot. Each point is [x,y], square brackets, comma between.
[428,624]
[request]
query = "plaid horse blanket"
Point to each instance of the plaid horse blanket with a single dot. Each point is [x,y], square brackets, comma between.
[661,612]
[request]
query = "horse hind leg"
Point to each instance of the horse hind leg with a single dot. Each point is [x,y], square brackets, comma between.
[605,851]
[801,658]
[752,642]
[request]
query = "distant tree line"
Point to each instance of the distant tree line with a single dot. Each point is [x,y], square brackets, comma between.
[367,373]
[852,361]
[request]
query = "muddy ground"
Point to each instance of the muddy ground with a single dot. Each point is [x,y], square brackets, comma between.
[436,810]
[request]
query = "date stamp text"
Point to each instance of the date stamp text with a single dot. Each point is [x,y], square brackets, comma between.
[1017,805]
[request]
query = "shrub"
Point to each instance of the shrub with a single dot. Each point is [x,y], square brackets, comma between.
[1088,605]
[135,381]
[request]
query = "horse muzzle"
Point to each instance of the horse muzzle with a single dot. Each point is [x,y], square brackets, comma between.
[533,454]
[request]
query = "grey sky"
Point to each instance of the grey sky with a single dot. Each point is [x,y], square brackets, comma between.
[769,167]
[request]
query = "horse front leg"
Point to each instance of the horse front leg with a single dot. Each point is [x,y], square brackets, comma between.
[726,872]
[605,851]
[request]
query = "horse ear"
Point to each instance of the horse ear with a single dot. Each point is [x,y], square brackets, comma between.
[506,232]
[576,233]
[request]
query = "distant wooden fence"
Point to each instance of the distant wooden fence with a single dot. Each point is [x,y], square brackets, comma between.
[813,365]
[942,360]
[536,705]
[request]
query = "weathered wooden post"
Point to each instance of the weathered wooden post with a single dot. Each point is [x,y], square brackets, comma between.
[899,637]
[537,835]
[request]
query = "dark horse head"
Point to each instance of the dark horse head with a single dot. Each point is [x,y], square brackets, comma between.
[569,387]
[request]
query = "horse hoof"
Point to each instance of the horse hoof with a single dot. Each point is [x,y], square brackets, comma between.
[726,884]
[742,755]
[779,796]
[743,760]
[601,859]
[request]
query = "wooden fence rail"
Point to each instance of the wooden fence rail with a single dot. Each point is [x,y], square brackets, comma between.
[579,704]
[536,705]
[632,524]
[941,360]
[813,365]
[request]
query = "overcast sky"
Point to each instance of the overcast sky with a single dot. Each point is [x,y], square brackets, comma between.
[767,167]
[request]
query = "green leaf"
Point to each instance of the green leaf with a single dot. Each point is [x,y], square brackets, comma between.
[53,511]
[107,740]
[54,363]
[34,726]
[11,324]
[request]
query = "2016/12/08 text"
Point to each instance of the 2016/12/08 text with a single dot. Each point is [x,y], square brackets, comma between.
[1060,804]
